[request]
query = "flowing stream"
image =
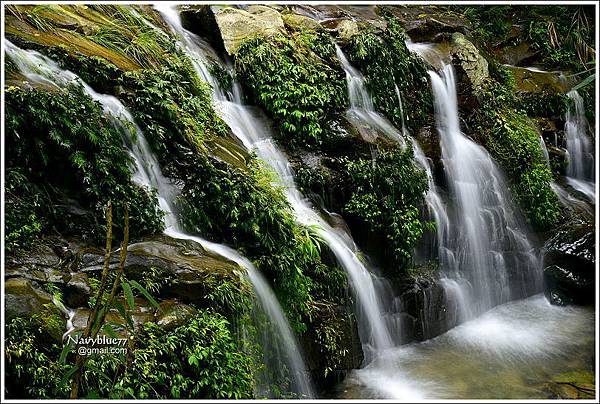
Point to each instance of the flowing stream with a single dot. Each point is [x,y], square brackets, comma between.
[247,126]
[580,169]
[39,68]
[489,253]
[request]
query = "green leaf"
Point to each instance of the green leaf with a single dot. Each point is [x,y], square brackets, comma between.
[107,328]
[144,292]
[589,79]
[67,376]
[128,294]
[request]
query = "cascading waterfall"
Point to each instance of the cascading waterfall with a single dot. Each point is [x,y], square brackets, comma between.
[40,69]
[580,169]
[255,135]
[488,248]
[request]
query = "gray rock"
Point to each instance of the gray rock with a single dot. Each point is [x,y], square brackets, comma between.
[468,57]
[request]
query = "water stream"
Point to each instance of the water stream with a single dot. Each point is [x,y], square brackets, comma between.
[247,125]
[580,150]
[39,68]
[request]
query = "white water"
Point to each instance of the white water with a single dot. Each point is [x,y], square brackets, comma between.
[255,135]
[580,169]
[512,351]
[487,239]
[361,113]
[38,68]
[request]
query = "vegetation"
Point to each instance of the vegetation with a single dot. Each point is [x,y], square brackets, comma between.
[63,146]
[387,195]
[386,63]
[514,143]
[295,79]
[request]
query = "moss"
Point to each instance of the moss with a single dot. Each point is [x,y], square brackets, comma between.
[552,106]
[514,143]
[295,80]
[386,62]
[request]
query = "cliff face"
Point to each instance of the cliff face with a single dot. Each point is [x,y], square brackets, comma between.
[66,159]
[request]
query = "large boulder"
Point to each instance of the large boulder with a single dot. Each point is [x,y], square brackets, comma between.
[237,25]
[532,80]
[569,264]
[467,56]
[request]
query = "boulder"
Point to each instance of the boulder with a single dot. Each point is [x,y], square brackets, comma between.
[237,25]
[299,22]
[23,298]
[467,56]
[569,264]
[173,314]
[533,80]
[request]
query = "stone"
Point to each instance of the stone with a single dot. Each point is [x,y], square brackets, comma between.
[532,80]
[467,56]
[23,298]
[236,25]
[173,314]
[297,21]
[569,263]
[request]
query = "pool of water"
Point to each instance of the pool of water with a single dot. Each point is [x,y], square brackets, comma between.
[512,351]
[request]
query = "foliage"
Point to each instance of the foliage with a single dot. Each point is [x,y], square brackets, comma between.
[387,193]
[200,359]
[544,105]
[514,143]
[288,77]
[32,369]
[386,62]
[61,142]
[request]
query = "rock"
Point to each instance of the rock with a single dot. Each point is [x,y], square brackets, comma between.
[345,328]
[183,267]
[467,56]
[569,264]
[572,385]
[346,29]
[77,291]
[532,80]
[200,19]
[23,298]
[513,55]
[297,21]
[236,25]
[173,314]
[426,23]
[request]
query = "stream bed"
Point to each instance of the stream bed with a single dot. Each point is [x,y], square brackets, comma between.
[513,351]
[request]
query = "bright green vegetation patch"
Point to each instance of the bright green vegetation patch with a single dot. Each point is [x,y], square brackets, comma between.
[66,159]
[386,62]
[387,196]
[514,143]
[195,360]
[544,105]
[231,203]
[297,80]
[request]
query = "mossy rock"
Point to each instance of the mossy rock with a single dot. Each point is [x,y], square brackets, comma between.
[572,385]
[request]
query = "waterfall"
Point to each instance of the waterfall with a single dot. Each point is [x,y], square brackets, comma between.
[361,113]
[489,253]
[255,135]
[580,169]
[39,68]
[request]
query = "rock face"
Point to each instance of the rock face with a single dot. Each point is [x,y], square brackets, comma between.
[569,263]
[467,56]
[530,80]
[236,25]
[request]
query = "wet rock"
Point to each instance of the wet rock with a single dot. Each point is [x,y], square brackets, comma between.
[467,56]
[532,80]
[338,363]
[426,23]
[200,19]
[569,262]
[236,25]
[77,291]
[572,385]
[515,54]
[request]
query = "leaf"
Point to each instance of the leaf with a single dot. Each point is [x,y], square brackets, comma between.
[68,347]
[128,294]
[144,292]
[107,328]
[585,82]
[67,376]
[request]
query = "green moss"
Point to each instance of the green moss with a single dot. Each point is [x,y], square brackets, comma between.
[387,195]
[386,62]
[514,143]
[62,143]
[544,105]
[293,79]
